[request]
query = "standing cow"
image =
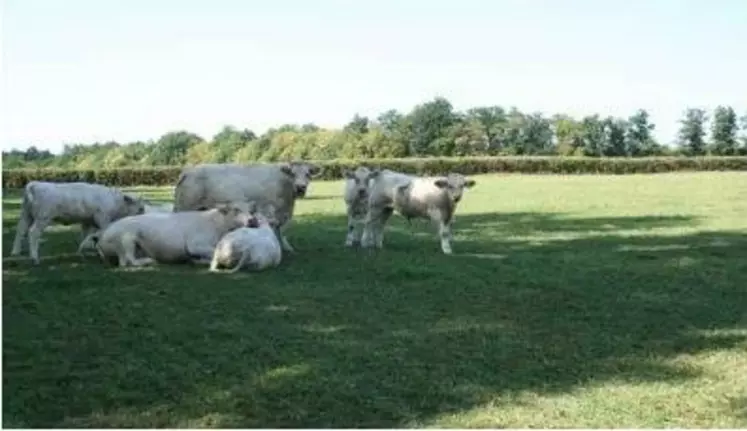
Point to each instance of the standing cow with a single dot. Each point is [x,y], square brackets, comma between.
[93,206]
[357,184]
[432,198]
[205,186]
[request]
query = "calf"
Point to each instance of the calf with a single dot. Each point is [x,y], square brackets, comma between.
[356,200]
[432,198]
[93,206]
[255,248]
[172,237]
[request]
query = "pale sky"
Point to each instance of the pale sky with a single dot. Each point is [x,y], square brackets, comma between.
[99,70]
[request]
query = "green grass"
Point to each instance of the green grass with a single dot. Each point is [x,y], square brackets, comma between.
[586,301]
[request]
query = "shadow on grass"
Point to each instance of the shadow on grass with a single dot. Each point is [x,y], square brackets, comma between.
[348,338]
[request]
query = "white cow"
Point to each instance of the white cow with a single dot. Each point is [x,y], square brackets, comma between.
[93,206]
[88,244]
[207,185]
[171,237]
[432,198]
[356,201]
[255,248]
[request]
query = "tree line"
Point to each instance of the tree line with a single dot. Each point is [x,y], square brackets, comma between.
[433,128]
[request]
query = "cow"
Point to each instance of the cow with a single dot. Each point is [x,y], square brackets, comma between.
[177,237]
[356,200]
[431,198]
[255,248]
[87,243]
[93,206]
[204,186]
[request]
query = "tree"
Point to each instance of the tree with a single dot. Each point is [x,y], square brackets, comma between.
[358,125]
[615,130]
[692,131]
[639,135]
[724,131]
[171,148]
[593,135]
[431,124]
[492,121]
[568,135]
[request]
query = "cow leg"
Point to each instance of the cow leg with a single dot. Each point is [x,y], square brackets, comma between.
[34,236]
[129,246]
[22,230]
[354,229]
[444,230]
[386,213]
[373,231]
[85,230]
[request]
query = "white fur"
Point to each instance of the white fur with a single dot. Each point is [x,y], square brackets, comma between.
[171,237]
[255,248]
[357,184]
[93,206]
[431,198]
[204,186]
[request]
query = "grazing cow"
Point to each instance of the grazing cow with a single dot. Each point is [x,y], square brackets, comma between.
[254,248]
[432,198]
[171,237]
[356,200]
[93,206]
[204,186]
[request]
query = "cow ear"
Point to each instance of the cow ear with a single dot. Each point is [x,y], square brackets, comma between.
[314,170]
[441,183]
[347,173]
[286,169]
[374,173]
[129,199]
[470,183]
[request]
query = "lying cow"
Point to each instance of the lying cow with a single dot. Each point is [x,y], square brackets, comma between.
[171,237]
[88,244]
[356,200]
[254,248]
[432,198]
[93,206]
[207,185]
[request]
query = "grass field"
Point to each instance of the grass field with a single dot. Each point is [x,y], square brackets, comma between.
[586,301]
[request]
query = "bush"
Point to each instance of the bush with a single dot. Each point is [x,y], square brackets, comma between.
[333,169]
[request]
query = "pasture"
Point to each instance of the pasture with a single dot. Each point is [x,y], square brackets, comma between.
[570,301]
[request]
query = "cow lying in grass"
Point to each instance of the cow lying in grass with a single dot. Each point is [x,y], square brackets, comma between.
[253,248]
[187,236]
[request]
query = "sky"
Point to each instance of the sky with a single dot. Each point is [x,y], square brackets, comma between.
[81,71]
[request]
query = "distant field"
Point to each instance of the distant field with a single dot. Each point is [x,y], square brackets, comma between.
[571,301]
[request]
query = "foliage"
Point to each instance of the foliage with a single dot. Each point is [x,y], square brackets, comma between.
[431,129]
[333,169]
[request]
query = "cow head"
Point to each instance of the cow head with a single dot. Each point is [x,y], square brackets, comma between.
[360,180]
[454,185]
[302,173]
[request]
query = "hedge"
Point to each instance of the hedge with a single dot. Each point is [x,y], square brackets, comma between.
[167,175]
